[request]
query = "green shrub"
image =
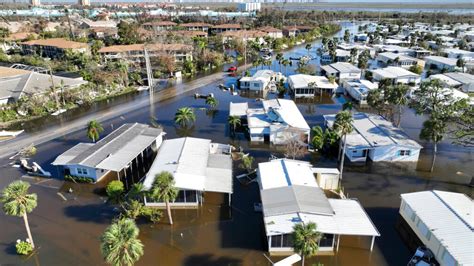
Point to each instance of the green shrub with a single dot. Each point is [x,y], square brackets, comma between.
[115,190]
[79,179]
[23,247]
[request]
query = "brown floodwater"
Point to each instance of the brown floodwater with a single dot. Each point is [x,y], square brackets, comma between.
[67,231]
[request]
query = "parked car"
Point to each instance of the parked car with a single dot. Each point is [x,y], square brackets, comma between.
[232,69]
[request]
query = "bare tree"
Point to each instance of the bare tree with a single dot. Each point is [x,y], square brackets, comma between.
[294,146]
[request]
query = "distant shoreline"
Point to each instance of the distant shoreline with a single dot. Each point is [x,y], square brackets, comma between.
[432,6]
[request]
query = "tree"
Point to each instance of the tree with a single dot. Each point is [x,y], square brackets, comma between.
[308,47]
[343,126]
[212,102]
[417,69]
[115,190]
[234,121]
[247,162]
[432,98]
[120,244]
[184,116]
[461,63]
[398,96]
[279,58]
[464,131]
[17,202]
[305,240]
[163,189]
[294,147]
[94,129]
[353,55]
[286,63]
[347,35]
[318,137]
[128,33]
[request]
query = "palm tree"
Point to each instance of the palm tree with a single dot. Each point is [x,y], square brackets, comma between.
[305,240]
[234,121]
[285,63]
[212,102]
[163,189]
[461,63]
[184,116]
[17,202]
[120,244]
[343,126]
[279,58]
[318,137]
[348,106]
[397,95]
[308,47]
[94,129]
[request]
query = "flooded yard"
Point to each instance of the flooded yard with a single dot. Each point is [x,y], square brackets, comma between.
[67,228]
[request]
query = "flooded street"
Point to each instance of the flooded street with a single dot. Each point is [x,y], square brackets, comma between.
[67,231]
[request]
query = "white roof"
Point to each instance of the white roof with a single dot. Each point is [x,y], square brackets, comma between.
[285,172]
[374,130]
[263,75]
[393,56]
[318,170]
[449,217]
[238,109]
[442,60]
[341,67]
[193,165]
[303,81]
[394,72]
[287,111]
[349,219]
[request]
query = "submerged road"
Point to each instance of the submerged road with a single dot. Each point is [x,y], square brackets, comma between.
[10,147]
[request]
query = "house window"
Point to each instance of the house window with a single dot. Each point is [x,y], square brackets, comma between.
[276,241]
[82,171]
[326,240]
[404,153]
[287,240]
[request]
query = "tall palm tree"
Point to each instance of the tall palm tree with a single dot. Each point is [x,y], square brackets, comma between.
[398,96]
[17,202]
[184,116]
[94,129]
[343,126]
[279,58]
[308,47]
[212,102]
[286,63]
[234,121]
[305,240]
[163,189]
[120,244]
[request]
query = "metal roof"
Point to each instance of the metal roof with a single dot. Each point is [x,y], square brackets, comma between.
[16,83]
[285,172]
[303,81]
[442,60]
[295,198]
[115,151]
[343,67]
[194,165]
[394,72]
[449,217]
[287,112]
[238,109]
[375,130]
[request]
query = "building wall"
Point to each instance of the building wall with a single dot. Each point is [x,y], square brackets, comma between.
[78,170]
[393,153]
[328,181]
[349,76]
[425,235]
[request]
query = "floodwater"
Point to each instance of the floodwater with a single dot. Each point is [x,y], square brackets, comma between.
[67,231]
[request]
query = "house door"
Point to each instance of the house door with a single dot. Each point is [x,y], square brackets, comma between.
[266,138]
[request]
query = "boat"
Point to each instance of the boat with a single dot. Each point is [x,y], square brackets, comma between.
[423,257]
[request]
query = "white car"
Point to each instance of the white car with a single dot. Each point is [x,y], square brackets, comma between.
[266,57]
